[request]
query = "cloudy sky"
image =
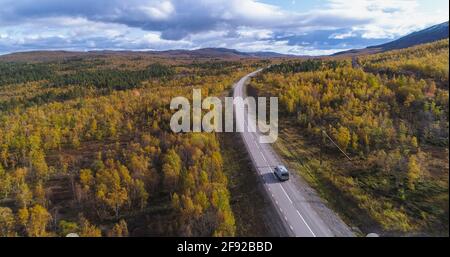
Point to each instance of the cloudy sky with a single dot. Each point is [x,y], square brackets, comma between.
[288,26]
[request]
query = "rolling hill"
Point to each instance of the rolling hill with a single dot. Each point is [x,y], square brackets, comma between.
[221,53]
[428,35]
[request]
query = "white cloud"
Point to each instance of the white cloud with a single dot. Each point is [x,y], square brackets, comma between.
[388,18]
[159,11]
[256,34]
[242,24]
[342,35]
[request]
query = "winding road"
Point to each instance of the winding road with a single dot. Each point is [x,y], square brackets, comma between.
[295,210]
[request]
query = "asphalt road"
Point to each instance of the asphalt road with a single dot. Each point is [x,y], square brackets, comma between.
[295,211]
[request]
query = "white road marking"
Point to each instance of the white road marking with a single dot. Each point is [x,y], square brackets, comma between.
[263,157]
[262,153]
[282,188]
[310,230]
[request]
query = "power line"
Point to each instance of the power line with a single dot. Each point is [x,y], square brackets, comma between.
[324,132]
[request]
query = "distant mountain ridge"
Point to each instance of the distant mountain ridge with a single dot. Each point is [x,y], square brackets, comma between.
[428,35]
[197,53]
[431,34]
[221,52]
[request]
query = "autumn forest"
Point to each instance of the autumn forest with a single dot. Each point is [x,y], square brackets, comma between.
[86,146]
